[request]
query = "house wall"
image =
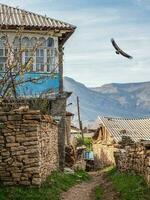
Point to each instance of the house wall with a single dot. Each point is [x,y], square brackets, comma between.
[135,157]
[28,147]
[103,149]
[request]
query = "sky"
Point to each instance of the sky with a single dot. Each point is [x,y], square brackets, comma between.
[89,56]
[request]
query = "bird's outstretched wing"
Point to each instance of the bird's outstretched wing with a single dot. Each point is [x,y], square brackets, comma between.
[119,50]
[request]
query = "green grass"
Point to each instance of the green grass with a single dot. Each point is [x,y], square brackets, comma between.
[129,185]
[50,190]
[98,193]
[87,142]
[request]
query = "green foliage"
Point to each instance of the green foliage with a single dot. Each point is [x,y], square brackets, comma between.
[98,193]
[129,185]
[50,190]
[87,142]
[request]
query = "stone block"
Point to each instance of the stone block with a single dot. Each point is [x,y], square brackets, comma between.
[25,183]
[12,144]
[20,138]
[17,153]
[30,143]
[36,181]
[20,148]
[31,170]
[30,160]
[10,139]
[32,117]
[3,118]
[32,134]
[14,117]
[5,153]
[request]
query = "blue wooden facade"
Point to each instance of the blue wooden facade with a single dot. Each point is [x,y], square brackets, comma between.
[41,83]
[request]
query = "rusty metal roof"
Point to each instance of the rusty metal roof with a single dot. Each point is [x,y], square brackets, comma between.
[14,17]
[137,129]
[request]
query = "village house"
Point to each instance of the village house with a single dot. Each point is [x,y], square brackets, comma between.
[111,134]
[26,30]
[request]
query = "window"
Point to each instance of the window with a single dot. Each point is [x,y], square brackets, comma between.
[43,57]
[33,42]
[42,42]
[50,42]
[50,59]
[27,55]
[3,54]
[26,42]
[40,60]
[16,42]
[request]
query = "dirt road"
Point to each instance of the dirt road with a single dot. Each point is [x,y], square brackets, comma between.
[84,191]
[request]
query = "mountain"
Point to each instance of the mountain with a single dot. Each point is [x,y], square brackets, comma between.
[116,100]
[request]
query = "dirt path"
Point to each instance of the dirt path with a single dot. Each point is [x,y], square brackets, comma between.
[84,190]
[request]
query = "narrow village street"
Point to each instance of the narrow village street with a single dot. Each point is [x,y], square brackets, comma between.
[85,190]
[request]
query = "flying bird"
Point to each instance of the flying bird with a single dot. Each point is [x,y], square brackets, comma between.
[119,51]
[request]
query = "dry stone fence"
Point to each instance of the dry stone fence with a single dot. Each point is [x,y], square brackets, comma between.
[135,157]
[28,147]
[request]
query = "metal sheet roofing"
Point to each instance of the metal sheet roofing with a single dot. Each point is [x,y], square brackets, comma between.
[14,17]
[137,129]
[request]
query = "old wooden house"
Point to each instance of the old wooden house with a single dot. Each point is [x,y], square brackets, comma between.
[112,132]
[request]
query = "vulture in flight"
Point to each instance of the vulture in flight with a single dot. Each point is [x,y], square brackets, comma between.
[119,51]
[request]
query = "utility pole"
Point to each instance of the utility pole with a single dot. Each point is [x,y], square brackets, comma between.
[79,118]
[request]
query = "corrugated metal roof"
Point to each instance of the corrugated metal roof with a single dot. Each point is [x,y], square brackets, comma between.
[137,129]
[14,17]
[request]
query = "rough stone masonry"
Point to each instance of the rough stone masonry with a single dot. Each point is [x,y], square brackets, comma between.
[135,157]
[28,147]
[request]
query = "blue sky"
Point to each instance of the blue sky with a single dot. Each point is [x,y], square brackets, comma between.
[89,55]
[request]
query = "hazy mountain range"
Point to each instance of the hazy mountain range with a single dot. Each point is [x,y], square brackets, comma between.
[115,99]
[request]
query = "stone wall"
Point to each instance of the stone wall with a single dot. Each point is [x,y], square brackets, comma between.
[56,108]
[135,157]
[28,147]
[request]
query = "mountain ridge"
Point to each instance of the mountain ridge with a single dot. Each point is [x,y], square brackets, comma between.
[130,100]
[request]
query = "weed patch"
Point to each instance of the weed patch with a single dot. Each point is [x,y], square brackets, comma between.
[50,190]
[129,185]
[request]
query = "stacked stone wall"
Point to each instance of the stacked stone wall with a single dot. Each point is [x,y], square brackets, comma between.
[28,147]
[135,157]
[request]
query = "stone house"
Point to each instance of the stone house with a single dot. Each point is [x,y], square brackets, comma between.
[116,133]
[51,36]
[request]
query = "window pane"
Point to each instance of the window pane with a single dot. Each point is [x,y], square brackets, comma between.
[1,66]
[42,42]
[41,52]
[6,52]
[2,41]
[50,42]
[2,59]
[39,60]
[26,42]
[1,52]
[16,42]
[37,52]
[26,53]
[33,41]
